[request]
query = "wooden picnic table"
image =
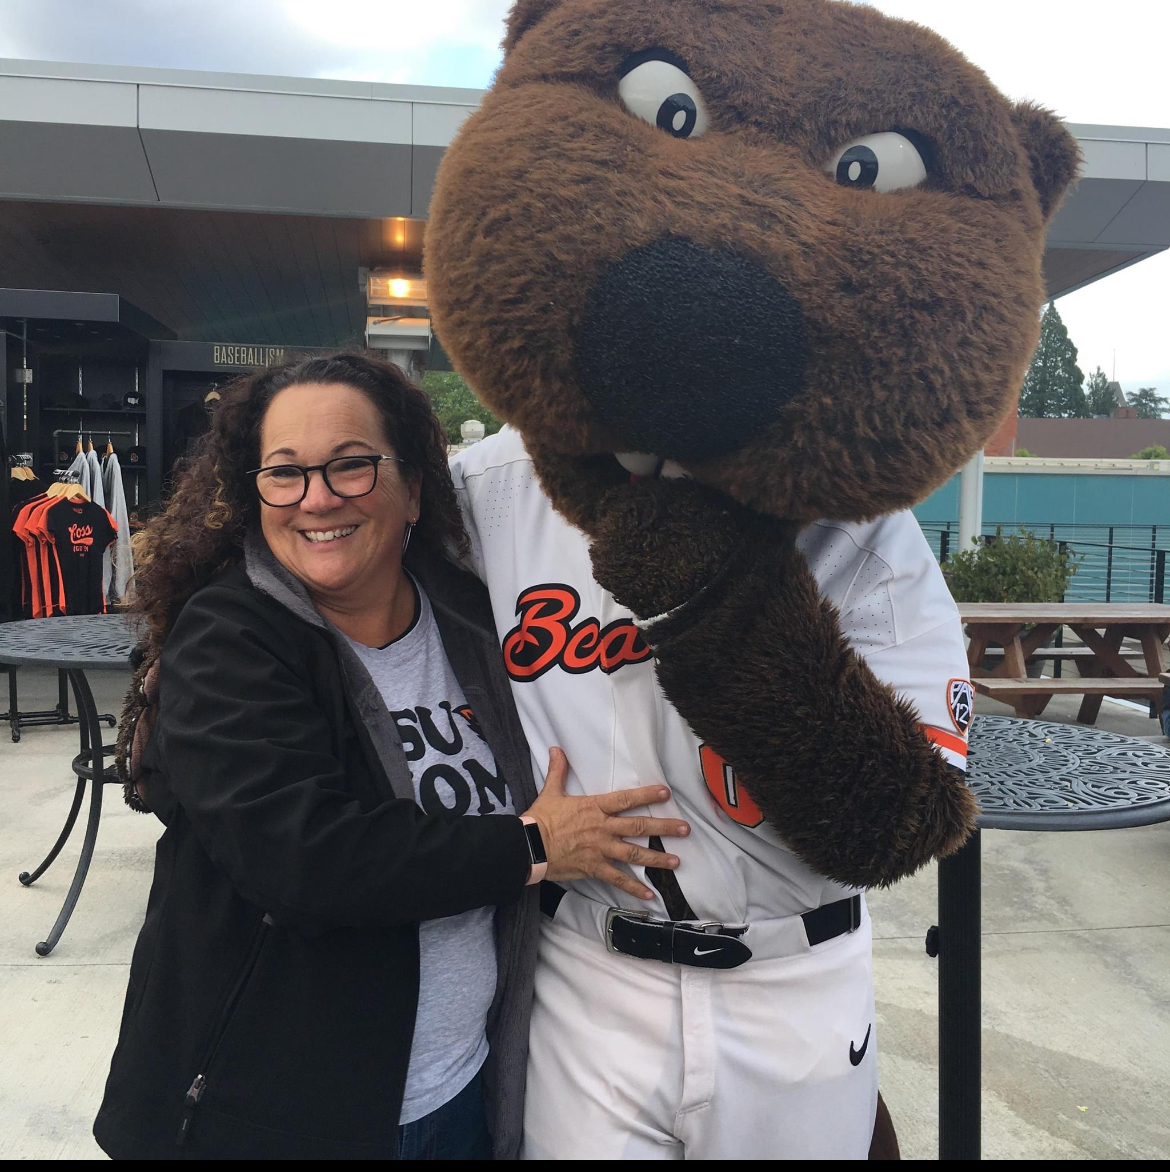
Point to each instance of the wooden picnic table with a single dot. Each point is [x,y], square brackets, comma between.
[1106,669]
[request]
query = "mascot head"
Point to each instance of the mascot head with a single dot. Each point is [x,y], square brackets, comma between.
[790,248]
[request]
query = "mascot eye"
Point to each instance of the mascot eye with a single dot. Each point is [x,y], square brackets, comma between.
[878,162]
[662,94]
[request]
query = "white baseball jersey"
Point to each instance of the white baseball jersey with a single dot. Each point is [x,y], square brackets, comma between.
[583,677]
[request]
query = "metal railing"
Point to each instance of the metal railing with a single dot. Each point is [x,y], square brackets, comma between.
[1117,563]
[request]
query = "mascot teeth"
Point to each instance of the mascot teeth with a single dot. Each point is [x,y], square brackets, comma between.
[638,463]
[644,464]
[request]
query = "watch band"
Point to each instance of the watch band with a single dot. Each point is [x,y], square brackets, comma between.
[538,860]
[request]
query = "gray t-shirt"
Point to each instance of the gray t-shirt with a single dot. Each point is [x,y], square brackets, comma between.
[453,771]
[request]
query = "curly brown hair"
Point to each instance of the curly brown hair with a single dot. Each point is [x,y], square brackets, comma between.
[213,503]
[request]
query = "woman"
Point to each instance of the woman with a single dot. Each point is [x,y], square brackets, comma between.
[338,932]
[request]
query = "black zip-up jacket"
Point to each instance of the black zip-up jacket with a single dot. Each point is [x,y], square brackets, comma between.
[273,988]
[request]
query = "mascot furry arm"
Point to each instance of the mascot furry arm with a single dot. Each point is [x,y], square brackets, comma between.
[835,761]
[780,261]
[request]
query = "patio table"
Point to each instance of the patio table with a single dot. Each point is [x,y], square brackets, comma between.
[18,720]
[1027,775]
[74,644]
[1101,626]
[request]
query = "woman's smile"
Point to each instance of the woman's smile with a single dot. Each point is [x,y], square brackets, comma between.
[329,536]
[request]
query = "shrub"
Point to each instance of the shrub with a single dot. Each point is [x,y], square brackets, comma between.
[1154,452]
[455,402]
[1023,453]
[1018,568]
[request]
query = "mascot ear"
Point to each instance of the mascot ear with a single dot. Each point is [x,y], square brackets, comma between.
[524,15]
[1053,154]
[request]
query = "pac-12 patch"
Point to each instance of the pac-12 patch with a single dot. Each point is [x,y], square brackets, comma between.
[961,703]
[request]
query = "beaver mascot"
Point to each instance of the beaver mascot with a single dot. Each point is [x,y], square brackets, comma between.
[747,279]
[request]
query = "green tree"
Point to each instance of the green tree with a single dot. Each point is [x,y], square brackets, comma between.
[1154,452]
[455,402]
[1149,404]
[1098,394]
[1054,385]
[1024,454]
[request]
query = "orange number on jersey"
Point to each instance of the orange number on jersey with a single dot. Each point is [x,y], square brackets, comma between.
[731,797]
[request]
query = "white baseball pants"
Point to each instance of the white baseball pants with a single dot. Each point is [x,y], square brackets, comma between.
[640,1060]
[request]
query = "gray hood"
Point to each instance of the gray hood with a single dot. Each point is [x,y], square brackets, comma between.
[269,577]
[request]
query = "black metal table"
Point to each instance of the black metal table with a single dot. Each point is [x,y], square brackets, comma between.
[1027,775]
[75,645]
[17,720]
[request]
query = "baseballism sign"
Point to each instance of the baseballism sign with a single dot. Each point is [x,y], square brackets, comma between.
[247,355]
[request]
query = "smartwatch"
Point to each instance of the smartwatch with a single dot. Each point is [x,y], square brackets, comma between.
[536,854]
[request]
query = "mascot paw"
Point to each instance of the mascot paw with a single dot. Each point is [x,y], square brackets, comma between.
[657,543]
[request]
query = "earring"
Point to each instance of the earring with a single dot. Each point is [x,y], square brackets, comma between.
[406,537]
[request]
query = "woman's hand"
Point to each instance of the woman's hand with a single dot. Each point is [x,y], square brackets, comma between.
[583,837]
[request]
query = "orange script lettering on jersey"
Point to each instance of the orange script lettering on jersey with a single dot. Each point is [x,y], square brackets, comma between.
[545,637]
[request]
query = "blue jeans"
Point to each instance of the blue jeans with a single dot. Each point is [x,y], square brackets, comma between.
[455,1131]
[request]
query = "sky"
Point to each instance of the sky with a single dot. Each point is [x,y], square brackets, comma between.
[1097,61]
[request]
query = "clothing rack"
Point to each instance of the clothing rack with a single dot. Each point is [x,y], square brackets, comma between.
[15,718]
[91,432]
[60,714]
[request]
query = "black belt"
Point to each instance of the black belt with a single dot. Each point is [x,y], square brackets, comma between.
[833,919]
[701,945]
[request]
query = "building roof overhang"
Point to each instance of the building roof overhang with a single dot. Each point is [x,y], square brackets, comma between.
[101,142]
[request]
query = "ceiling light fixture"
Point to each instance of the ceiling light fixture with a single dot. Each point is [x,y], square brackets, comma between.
[386,287]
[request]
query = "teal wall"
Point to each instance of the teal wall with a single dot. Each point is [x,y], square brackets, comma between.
[1043,498]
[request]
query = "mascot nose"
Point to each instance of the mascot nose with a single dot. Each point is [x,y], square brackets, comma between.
[687,352]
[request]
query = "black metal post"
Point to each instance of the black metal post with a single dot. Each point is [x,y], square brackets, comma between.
[944,545]
[92,753]
[1160,576]
[959,1005]
[1109,567]
[1153,558]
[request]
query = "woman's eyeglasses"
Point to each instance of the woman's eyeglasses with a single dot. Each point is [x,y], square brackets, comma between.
[282,485]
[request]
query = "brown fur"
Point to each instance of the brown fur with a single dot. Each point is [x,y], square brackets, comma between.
[920,311]
[920,305]
[1052,155]
[524,14]
[753,657]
